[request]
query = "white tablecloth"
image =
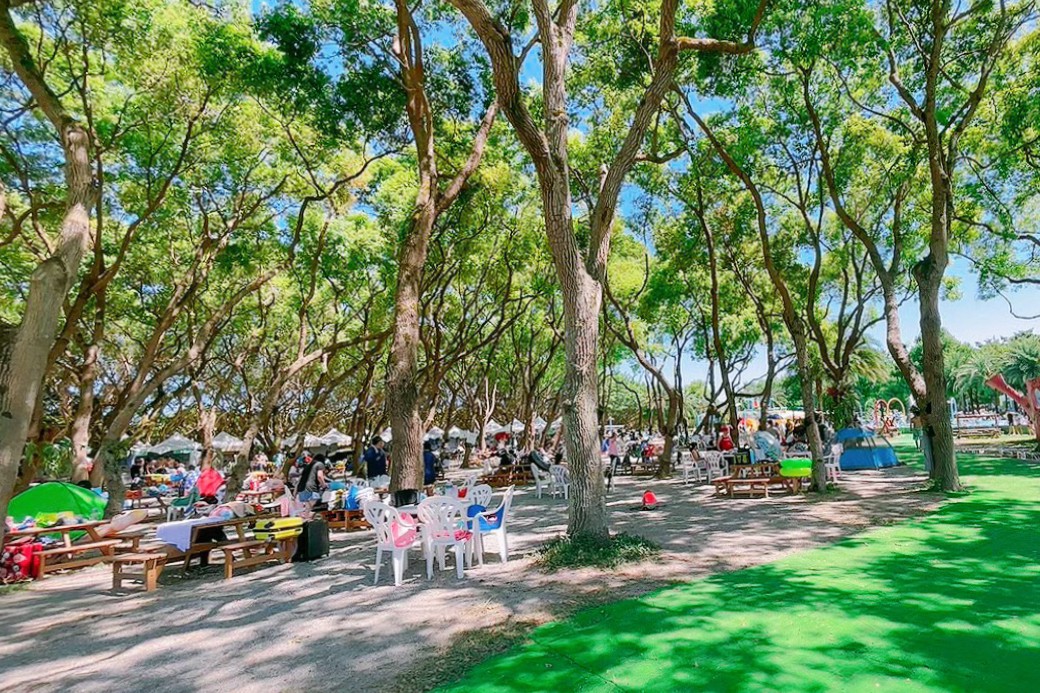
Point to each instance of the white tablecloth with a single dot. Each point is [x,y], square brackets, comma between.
[179,533]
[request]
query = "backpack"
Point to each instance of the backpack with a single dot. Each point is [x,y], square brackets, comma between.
[20,561]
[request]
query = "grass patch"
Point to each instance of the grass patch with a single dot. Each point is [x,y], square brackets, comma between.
[13,587]
[584,551]
[946,602]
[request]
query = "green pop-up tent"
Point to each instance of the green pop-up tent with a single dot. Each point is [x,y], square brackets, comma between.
[53,497]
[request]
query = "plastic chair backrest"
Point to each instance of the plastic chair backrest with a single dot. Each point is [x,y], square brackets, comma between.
[442,515]
[382,517]
[713,458]
[480,495]
[507,503]
[559,474]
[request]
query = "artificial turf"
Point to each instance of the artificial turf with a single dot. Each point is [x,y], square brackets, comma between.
[946,602]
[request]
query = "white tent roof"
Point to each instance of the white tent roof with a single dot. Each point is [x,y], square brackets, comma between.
[517,426]
[540,423]
[455,432]
[309,441]
[334,437]
[175,443]
[225,442]
[387,435]
[493,427]
[435,433]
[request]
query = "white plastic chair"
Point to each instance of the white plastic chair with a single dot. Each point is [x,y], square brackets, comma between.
[542,479]
[714,462]
[392,535]
[444,524]
[480,495]
[561,481]
[833,463]
[690,465]
[493,522]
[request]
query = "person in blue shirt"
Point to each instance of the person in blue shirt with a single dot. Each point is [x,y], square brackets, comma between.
[429,465]
[375,459]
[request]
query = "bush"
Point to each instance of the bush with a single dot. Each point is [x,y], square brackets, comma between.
[584,551]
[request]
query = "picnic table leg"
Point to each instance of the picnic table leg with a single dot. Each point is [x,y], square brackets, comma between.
[152,571]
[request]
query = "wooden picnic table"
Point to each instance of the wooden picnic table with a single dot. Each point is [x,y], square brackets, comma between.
[202,548]
[70,554]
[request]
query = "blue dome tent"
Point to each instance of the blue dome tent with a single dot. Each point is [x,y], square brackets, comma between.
[864,449]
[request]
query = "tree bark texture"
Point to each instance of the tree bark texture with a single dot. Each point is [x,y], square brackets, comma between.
[24,365]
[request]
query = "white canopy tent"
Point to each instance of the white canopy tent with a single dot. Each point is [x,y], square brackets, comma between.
[309,441]
[494,428]
[337,439]
[175,444]
[517,426]
[225,442]
[434,433]
[539,424]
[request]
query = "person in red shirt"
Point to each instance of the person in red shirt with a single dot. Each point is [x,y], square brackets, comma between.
[209,484]
[725,439]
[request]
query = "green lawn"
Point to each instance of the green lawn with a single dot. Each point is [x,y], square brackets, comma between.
[949,602]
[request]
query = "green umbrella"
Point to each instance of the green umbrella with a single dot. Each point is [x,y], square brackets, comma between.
[52,497]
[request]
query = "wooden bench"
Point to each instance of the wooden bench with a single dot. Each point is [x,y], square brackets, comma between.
[130,540]
[514,475]
[105,547]
[752,487]
[978,432]
[346,520]
[752,480]
[151,568]
[255,552]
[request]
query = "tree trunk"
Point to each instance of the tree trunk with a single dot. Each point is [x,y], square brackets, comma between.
[111,462]
[581,301]
[812,429]
[25,349]
[402,392]
[80,433]
[936,408]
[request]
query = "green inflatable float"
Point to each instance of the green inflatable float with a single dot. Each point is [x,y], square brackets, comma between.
[796,468]
[45,501]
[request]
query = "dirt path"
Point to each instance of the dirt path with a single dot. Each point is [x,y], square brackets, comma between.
[324,627]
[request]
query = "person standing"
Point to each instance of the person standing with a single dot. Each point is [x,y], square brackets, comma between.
[375,459]
[312,481]
[429,467]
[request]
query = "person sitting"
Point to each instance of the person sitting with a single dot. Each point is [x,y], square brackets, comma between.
[191,477]
[537,458]
[375,459]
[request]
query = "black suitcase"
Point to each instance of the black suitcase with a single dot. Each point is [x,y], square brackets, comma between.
[313,542]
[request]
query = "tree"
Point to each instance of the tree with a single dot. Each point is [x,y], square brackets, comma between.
[580,269]
[23,350]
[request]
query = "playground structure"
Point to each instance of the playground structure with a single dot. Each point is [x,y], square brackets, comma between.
[1029,402]
[884,417]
